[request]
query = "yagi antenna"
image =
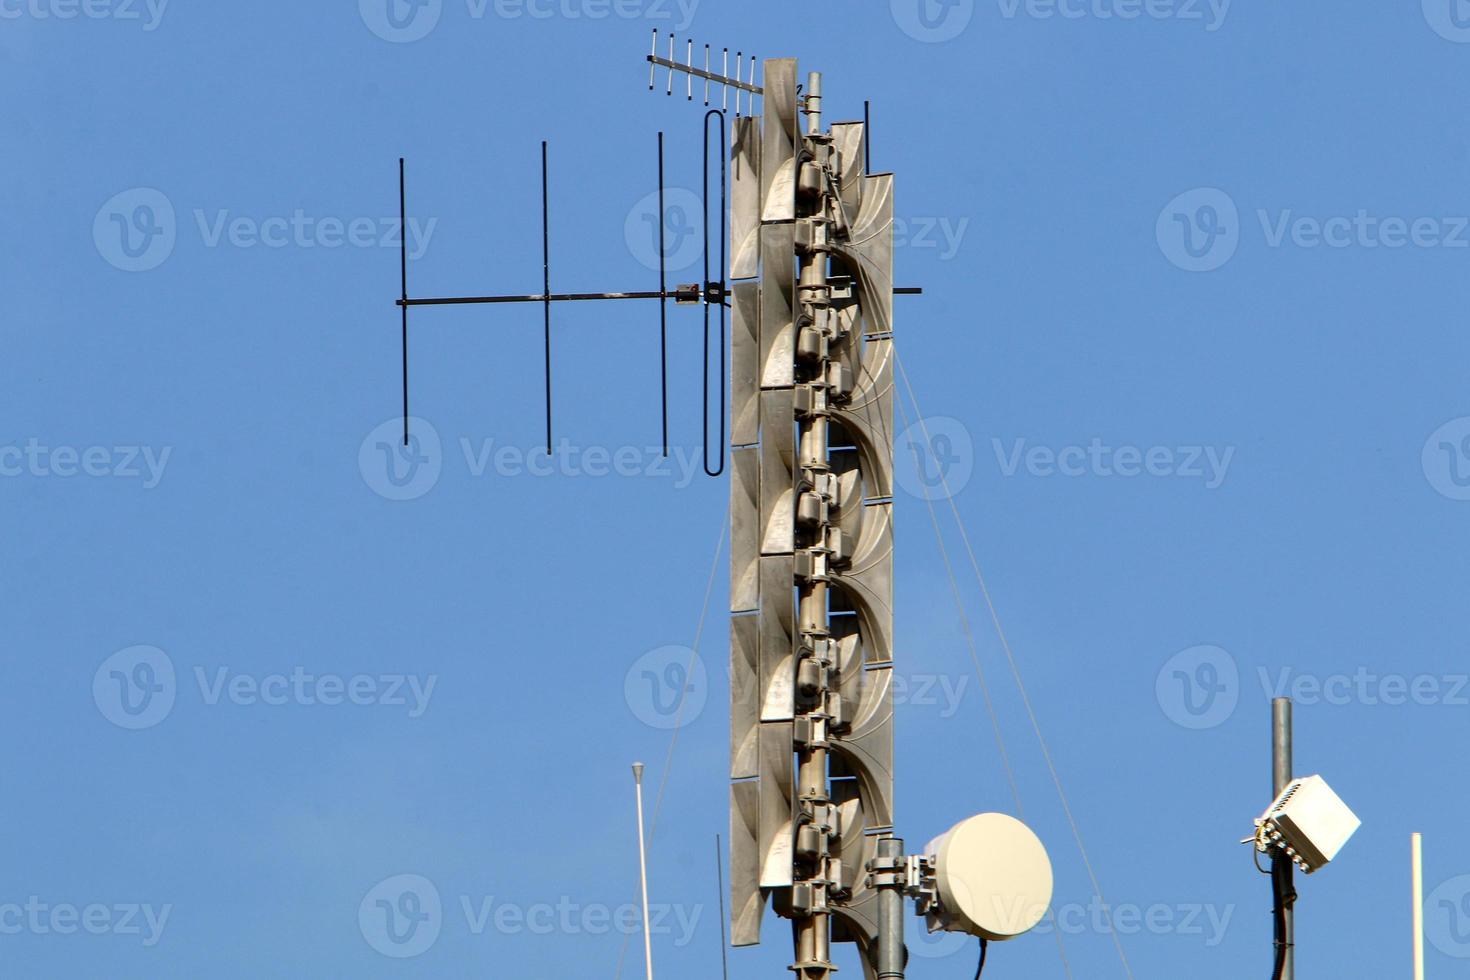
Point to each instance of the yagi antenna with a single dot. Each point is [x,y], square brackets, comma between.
[711,292]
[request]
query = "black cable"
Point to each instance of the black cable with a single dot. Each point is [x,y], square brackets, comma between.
[981,968]
[1283,895]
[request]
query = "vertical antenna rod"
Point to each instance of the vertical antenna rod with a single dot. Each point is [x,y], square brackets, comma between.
[663,303]
[720,883]
[867,135]
[1281,867]
[1416,851]
[403,278]
[546,282]
[643,870]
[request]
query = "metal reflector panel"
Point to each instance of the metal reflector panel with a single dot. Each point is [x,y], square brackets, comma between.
[777,650]
[776,800]
[778,141]
[745,529]
[867,748]
[867,416]
[777,306]
[869,251]
[866,585]
[778,472]
[848,140]
[745,198]
[745,362]
[747,901]
[744,697]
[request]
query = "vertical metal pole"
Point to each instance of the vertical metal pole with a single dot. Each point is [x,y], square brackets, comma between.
[1416,849]
[403,268]
[890,914]
[1280,778]
[813,932]
[643,870]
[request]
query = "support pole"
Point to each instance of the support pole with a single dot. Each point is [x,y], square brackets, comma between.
[643,870]
[813,929]
[1283,870]
[1416,850]
[891,952]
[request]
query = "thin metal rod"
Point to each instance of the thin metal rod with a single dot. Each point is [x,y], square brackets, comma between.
[867,134]
[643,870]
[572,297]
[674,66]
[1416,856]
[663,305]
[1281,768]
[653,53]
[720,883]
[689,66]
[403,280]
[546,282]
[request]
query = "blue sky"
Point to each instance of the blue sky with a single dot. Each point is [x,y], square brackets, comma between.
[1191,349]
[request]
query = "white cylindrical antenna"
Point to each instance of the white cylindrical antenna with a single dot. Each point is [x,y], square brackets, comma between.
[750,99]
[814,103]
[706,75]
[725,86]
[652,53]
[643,868]
[739,62]
[689,63]
[1416,850]
[671,63]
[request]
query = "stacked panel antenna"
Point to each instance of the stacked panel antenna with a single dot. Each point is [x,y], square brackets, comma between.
[811,247]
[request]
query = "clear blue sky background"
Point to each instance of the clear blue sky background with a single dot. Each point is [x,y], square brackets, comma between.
[1062,314]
